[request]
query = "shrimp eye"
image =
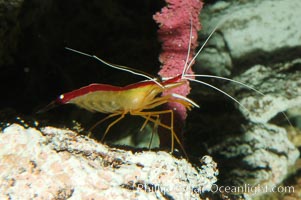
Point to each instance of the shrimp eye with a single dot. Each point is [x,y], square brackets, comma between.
[61,99]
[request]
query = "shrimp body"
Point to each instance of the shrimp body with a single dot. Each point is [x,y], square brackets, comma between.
[136,99]
[129,99]
[111,99]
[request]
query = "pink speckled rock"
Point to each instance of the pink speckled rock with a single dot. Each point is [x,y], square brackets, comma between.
[60,164]
[175,21]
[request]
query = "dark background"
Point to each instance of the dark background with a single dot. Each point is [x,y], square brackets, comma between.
[39,68]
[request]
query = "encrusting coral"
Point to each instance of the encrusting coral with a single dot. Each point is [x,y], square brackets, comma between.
[175,22]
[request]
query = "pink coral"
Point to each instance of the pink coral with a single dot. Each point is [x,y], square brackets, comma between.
[175,21]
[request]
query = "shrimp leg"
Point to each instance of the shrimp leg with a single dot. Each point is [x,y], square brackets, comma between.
[101,121]
[148,116]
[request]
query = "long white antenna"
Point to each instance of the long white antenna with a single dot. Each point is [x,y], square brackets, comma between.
[202,47]
[221,91]
[119,67]
[186,66]
[223,78]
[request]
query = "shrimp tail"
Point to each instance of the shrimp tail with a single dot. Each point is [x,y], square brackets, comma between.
[50,106]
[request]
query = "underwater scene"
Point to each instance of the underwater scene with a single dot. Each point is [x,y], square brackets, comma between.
[174,99]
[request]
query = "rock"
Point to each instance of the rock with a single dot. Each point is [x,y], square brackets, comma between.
[263,155]
[280,84]
[258,44]
[249,32]
[59,164]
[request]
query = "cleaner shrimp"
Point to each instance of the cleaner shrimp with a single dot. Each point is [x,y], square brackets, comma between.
[140,98]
